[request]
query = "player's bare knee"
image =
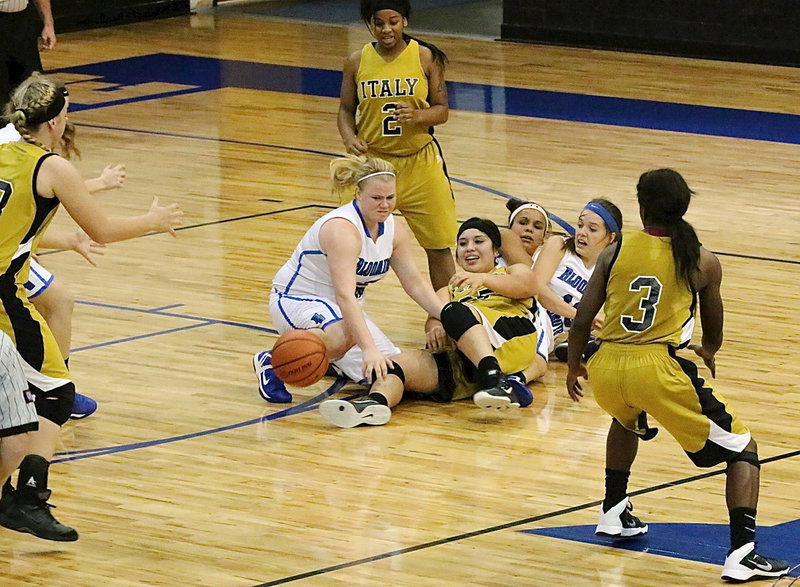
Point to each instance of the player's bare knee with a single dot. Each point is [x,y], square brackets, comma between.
[337,340]
[536,370]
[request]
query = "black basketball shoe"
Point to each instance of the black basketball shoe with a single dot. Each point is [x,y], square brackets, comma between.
[35,518]
[745,564]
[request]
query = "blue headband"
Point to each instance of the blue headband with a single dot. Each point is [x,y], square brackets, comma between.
[601,211]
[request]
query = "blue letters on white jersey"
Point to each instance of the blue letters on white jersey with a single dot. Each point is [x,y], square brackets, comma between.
[307,275]
[568,282]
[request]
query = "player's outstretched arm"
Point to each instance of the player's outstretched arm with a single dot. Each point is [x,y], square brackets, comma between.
[59,178]
[592,301]
[112,176]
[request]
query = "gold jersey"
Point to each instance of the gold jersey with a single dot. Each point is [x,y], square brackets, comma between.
[645,301]
[24,214]
[379,86]
[485,299]
[508,323]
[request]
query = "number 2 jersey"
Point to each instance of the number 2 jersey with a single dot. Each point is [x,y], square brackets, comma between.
[380,84]
[645,301]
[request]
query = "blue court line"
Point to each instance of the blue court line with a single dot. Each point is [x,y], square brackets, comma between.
[561,222]
[206,73]
[166,307]
[504,526]
[335,11]
[159,312]
[137,337]
[298,409]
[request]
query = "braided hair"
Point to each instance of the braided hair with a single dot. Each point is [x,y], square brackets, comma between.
[36,101]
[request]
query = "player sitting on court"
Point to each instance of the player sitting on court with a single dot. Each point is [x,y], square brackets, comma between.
[488,316]
[322,287]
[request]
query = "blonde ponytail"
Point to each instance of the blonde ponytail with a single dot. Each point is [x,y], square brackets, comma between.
[348,171]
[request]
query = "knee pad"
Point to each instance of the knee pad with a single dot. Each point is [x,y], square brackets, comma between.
[457,319]
[747,457]
[397,371]
[55,404]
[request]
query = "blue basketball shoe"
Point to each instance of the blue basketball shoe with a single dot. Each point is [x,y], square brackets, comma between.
[270,387]
[521,390]
[82,407]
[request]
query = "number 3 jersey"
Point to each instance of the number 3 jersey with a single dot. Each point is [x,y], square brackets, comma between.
[645,301]
[379,86]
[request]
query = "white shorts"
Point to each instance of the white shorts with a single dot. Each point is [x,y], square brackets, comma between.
[17,408]
[293,313]
[38,280]
[544,327]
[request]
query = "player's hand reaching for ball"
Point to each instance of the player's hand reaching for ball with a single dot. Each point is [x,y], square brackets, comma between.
[165,218]
[86,247]
[113,176]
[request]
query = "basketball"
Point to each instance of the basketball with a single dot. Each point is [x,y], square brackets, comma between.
[299,358]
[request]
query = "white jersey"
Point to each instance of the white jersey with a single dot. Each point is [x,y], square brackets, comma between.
[568,282]
[307,275]
[9,134]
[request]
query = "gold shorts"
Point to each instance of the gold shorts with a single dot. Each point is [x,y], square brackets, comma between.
[425,196]
[629,380]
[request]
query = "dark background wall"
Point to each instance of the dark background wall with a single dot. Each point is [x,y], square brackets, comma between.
[764,31]
[71,15]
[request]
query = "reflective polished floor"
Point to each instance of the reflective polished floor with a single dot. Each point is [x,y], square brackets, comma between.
[184,476]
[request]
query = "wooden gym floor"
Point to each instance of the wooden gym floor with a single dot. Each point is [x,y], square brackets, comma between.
[184,476]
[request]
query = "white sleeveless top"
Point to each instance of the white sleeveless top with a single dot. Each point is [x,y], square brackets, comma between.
[9,134]
[568,282]
[307,275]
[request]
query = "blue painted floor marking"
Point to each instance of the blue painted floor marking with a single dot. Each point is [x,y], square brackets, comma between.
[705,543]
[206,73]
